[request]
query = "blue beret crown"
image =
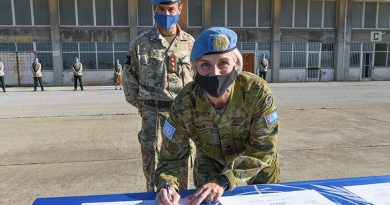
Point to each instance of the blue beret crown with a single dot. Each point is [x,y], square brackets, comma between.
[212,41]
[155,2]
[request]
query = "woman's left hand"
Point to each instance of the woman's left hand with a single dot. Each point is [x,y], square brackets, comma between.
[210,192]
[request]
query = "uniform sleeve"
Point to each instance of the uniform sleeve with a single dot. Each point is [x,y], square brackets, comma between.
[130,77]
[175,150]
[260,152]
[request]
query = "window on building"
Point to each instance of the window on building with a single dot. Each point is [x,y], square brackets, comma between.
[41,12]
[67,12]
[5,12]
[286,12]
[145,13]
[315,20]
[85,12]
[218,14]
[384,15]
[329,14]
[300,13]
[44,54]
[105,56]
[264,13]
[120,51]
[306,55]
[380,54]
[28,47]
[121,16]
[249,13]
[194,11]
[22,12]
[370,14]
[234,11]
[321,13]
[103,12]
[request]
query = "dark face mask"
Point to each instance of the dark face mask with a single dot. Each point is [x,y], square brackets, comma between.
[218,84]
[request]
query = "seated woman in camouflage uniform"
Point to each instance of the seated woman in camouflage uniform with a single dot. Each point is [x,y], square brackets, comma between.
[231,117]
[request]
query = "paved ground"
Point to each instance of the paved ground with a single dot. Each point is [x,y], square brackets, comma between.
[61,142]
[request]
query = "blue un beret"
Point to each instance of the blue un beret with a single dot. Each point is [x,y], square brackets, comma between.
[155,2]
[212,41]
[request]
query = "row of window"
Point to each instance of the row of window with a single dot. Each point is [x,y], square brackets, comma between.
[370,14]
[306,55]
[368,54]
[94,55]
[24,12]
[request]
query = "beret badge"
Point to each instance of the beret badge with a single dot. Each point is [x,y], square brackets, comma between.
[221,42]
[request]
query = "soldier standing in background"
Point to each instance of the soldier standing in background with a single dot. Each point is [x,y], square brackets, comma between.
[2,75]
[263,67]
[232,118]
[156,69]
[37,73]
[78,73]
[118,75]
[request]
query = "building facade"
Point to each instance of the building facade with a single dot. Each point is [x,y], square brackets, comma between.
[304,40]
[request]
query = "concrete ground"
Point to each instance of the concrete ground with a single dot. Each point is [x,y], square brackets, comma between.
[62,142]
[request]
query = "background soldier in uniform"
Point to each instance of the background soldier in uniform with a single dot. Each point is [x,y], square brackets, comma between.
[263,67]
[156,69]
[231,117]
[2,76]
[78,73]
[37,74]
[118,75]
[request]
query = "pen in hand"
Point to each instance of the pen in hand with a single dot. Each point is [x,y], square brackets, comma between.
[169,192]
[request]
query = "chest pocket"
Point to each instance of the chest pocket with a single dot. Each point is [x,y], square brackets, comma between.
[151,65]
[185,69]
[206,135]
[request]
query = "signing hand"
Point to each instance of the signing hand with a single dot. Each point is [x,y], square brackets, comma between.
[163,199]
[210,192]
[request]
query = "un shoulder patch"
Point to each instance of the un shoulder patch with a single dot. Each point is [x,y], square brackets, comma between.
[168,130]
[271,118]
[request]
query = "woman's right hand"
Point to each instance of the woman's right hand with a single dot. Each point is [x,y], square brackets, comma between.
[163,199]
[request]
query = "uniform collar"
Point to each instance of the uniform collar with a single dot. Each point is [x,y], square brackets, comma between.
[156,36]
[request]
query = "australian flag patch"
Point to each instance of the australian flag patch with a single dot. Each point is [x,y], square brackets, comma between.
[168,130]
[271,118]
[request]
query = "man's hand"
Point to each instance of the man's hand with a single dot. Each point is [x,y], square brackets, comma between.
[210,192]
[163,199]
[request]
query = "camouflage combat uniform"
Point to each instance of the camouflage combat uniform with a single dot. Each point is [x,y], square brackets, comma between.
[37,74]
[238,142]
[154,73]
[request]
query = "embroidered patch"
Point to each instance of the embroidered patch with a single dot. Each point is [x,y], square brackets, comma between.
[168,130]
[268,100]
[272,118]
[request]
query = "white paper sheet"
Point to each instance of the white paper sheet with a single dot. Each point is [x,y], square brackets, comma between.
[305,197]
[183,201]
[378,194]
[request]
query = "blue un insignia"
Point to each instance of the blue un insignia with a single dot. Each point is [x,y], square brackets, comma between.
[272,118]
[168,130]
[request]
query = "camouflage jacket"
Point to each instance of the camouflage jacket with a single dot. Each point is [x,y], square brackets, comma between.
[242,140]
[77,69]
[36,69]
[156,70]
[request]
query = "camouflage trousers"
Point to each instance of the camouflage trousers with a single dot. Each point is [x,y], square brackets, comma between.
[207,169]
[150,138]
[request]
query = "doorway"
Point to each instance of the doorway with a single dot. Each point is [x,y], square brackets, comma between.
[367,66]
[248,62]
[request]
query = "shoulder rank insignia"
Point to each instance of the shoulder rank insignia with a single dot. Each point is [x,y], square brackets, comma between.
[271,118]
[221,42]
[168,130]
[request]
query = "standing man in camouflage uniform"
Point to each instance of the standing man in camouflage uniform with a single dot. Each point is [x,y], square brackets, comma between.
[118,75]
[37,74]
[156,69]
[78,73]
[231,117]
[2,76]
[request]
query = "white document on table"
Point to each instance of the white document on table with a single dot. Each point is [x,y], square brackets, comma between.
[183,201]
[378,194]
[305,197]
